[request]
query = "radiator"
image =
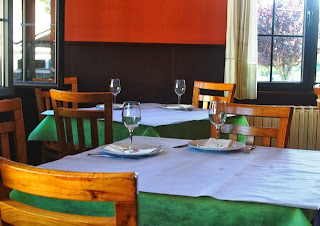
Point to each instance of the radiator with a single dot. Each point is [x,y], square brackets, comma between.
[304,131]
[305,128]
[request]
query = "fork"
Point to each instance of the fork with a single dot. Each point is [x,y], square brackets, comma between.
[249,149]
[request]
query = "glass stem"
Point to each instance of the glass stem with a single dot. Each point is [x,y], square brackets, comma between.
[217,135]
[179,98]
[114,98]
[130,133]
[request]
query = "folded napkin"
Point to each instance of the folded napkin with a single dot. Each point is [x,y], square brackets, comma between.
[115,106]
[223,143]
[123,149]
[179,107]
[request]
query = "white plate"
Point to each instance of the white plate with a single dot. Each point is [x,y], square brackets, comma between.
[138,154]
[115,106]
[198,144]
[178,107]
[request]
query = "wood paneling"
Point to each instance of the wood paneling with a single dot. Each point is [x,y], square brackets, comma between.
[147,71]
[146,21]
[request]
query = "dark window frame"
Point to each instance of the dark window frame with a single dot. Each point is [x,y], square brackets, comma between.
[8,89]
[309,54]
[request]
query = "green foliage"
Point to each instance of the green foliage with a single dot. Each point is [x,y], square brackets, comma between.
[287,50]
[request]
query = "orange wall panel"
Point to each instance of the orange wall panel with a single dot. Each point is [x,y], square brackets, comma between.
[146,21]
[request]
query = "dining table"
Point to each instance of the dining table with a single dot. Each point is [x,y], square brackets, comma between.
[197,185]
[157,120]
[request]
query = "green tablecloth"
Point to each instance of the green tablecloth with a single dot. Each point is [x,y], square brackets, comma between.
[156,209]
[46,130]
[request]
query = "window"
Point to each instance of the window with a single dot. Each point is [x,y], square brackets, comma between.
[31,39]
[37,41]
[5,49]
[287,44]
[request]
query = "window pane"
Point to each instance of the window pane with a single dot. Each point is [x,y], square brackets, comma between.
[264,58]
[289,17]
[34,41]
[44,37]
[287,55]
[17,40]
[265,16]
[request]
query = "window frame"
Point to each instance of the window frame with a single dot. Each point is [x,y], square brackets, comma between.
[309,54]
[8,89]
[59,52]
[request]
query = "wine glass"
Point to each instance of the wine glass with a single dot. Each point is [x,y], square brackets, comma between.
[180,88]
[217,116]
[115,88]
[131,117]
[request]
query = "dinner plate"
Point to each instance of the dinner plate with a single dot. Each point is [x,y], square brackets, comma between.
[115,106]
[178,107]
[144,150]
[199,144]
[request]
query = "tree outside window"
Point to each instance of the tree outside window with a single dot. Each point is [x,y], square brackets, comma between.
[280,41]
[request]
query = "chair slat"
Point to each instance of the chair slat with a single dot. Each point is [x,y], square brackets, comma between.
[266,141]
[82,142]
[94,133]
[201,85]
[7,127]
[5,146]
[69,138]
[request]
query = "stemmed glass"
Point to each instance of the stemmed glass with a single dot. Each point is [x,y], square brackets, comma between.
[115,88]
[180,88]
[217,116]
[131,117]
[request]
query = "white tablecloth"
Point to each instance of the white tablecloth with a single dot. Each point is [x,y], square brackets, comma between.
[152,112]
[286,177]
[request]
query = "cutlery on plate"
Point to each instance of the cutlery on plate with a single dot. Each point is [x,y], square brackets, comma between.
[108,156]
[181,146]
[101,155]
[249,149]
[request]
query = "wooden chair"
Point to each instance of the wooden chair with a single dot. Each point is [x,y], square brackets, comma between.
[120,188]
[12,126]
[252,132]
[316,89]
[49,149]
[200,85]
[63,115]
[44,100]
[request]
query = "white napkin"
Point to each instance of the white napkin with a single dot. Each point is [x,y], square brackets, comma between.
[179,107]
[120,149]
[115,106]
[224,143]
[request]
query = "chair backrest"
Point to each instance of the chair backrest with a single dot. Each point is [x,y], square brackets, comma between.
[44,100]
[120,188]
[316,89]
[284,113]
[200,85]
[65,115]
[12,128]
